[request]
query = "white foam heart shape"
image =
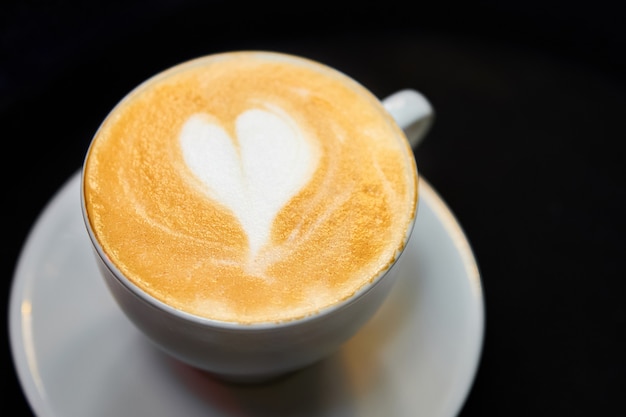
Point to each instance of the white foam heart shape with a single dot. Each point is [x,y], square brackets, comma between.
[256,175]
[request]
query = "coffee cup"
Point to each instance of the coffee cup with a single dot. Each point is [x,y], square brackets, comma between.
[248,210]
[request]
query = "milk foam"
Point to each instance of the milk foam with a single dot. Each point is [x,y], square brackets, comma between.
[250,187]
[255,174]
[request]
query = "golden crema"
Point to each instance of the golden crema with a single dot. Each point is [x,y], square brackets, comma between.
[250,187]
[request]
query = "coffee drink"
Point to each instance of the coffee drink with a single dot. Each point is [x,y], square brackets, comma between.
[250,187]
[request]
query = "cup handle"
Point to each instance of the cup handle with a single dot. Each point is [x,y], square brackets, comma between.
[413,113]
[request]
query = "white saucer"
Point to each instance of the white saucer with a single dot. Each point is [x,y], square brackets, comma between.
[77,355]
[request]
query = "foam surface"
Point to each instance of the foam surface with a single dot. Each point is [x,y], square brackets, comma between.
[250,187]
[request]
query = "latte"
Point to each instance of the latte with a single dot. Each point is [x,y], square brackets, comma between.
[250,187]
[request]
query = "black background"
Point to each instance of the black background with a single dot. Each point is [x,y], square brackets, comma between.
[527,150]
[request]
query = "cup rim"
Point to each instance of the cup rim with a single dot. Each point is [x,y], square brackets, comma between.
[233,325]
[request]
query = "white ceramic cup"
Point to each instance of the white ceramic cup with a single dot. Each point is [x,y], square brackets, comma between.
[258,352]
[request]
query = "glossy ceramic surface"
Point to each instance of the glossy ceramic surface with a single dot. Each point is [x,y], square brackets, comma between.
[77,354]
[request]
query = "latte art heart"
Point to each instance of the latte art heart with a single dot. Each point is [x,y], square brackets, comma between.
[255,174]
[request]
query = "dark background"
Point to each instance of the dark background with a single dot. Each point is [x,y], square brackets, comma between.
[527,150]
